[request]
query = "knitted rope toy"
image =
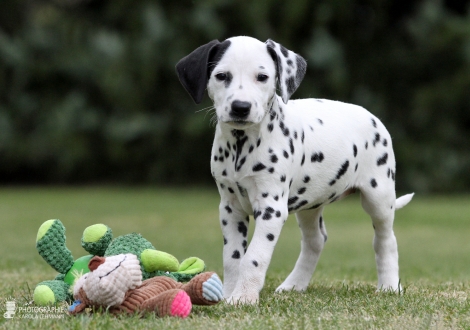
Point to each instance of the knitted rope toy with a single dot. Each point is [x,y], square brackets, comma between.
[98,240]
[115,285]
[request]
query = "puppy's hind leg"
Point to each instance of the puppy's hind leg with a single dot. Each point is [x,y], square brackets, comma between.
[314,237]
[378,200]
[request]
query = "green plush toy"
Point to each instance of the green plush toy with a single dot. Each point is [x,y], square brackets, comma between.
[98,241]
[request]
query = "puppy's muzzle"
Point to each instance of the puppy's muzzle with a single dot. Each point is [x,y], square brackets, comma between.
[240,110]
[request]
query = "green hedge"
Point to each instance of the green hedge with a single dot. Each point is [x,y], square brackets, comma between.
[88,91]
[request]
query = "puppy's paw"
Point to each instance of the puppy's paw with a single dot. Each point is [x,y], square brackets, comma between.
[288,286]
[243,299]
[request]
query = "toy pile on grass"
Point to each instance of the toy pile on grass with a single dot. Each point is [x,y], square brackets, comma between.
[121,275]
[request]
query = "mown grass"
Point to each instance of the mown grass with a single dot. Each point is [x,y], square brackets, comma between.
[433,235]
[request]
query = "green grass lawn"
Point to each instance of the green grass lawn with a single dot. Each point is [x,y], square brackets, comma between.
[433,238]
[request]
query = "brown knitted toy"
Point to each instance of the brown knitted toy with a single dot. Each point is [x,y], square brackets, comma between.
[115,284]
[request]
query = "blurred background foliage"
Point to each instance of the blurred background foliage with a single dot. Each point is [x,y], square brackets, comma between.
[88,91]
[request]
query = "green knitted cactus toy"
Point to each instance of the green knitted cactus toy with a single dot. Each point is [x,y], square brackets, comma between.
[50,243]
[98,240]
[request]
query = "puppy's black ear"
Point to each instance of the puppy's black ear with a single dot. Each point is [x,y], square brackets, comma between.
[194,69]
[290,68]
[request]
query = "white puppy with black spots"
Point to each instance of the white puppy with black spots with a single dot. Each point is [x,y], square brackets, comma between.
[272,157]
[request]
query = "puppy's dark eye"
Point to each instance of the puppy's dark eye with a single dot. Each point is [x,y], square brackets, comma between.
[262,77]
[221,76]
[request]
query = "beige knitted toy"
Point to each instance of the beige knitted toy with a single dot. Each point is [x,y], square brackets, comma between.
[115,284]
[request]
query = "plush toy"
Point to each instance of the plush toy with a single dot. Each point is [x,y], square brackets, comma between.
[115,284]
[98,240]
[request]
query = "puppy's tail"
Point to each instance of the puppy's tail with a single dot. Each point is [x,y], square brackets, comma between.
[403,200]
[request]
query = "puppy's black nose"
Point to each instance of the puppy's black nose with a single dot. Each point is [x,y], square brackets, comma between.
[240,109]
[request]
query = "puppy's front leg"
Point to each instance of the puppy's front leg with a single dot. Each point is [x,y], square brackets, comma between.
[269,218]
[234,224]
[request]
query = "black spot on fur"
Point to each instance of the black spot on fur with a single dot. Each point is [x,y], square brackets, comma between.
[317,157]
[231,190]
[240,164]
[382,160]
[238,133]
[274,158]
[276,198]
[244,244]
[301,190]
[320,121]
[278,214]
[229,210]
[374,123]
[225,241]
[303,160]
[290,183]
[292,200]
[236,254]
[354,150]
[238,146]
[306,179]
[283,178]
[301,204]
[393,175]
[250,150]
[270,237]
[388,173]
[295,135]
[385,142]
[265,195]
[255,263]
[302,136]
[271,170]
[284,51]
[259,167]
[216,158]
[291,145]
[270,127]
[343,169]
[269,209]
[267,216]
[284,129]
[242,229]
[224,222]
[376,139]
[290,84]
[355,168]
[367,145]
[373,183]
[258,142]
[222,186]
[286,155]
[315,206]
[272,115]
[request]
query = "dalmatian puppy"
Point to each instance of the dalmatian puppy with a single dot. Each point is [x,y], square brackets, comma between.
[272,157]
